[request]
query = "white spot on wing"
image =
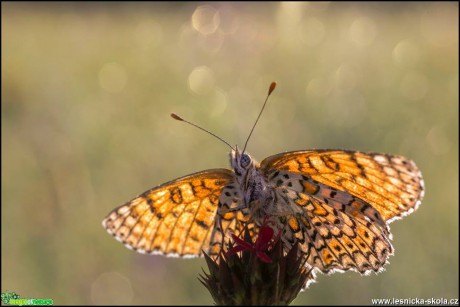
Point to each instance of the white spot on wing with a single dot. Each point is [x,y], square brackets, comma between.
[123,210]
[380,159]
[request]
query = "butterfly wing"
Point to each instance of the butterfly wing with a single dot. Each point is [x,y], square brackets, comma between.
[340,204]
[233,216]
[333,236]
[393,185]
[175,218]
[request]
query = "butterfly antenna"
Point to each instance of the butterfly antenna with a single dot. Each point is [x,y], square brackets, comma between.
[270,90]
[177,117]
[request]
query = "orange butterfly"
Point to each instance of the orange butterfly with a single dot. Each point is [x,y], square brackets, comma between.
[336,203]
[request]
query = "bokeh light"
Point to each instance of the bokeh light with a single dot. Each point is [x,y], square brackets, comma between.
[201,80]
[205,19]
[406,54]
[312,31]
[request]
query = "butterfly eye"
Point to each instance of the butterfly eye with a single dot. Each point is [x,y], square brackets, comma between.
[245,160]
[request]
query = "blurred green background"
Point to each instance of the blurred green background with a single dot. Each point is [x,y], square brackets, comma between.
[87,89]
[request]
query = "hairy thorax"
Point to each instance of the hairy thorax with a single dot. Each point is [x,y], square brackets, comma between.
[250,195]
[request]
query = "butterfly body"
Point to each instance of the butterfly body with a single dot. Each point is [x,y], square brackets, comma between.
[248,177]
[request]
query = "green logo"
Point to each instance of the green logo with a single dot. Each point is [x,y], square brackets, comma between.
[6,297]
[14,299]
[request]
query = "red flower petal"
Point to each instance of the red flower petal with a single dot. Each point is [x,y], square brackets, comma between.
[242,243]
[263,240]
[235,250]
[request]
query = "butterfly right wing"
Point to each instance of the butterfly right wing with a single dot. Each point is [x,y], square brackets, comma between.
[392,184]
[176,218]
[333,236]
[346,198]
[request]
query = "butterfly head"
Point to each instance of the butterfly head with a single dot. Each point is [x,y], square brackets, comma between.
[240,161]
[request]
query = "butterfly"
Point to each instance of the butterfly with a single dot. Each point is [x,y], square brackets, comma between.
[335,203]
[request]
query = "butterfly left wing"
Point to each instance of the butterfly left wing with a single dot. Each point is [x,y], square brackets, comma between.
[232,217]
[175,218]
